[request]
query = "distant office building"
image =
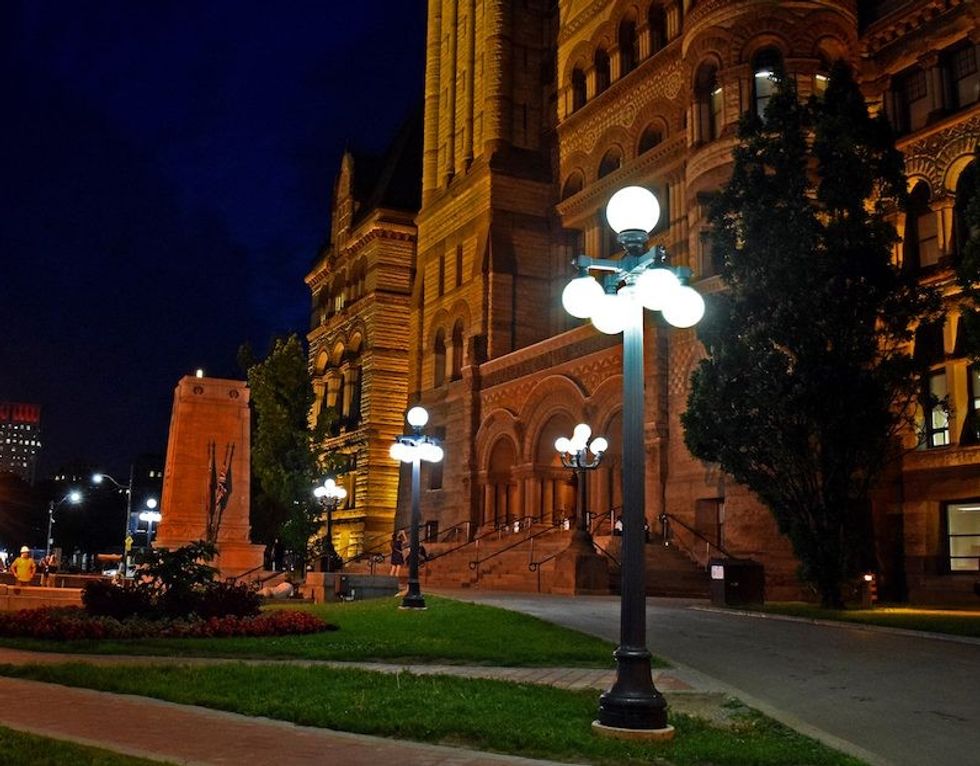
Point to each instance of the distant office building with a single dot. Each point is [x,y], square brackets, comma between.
[20,438]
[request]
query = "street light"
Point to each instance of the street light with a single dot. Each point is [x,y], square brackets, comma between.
[151,517]
[74,497]
[98,478]
[414,448]
[574,454]
[641,278]
[330,495]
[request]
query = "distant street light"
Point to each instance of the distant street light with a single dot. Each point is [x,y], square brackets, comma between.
[640,278]
[414,448]
[330,495]
[151,517]
[98,478]
[74,497]
[574,454]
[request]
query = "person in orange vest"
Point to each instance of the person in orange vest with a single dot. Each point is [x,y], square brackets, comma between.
[24,567]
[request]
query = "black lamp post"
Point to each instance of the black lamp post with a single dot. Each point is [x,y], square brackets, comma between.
[640,278]
[414,448]
[97,478]
[574,454]
[74,497]
[330,495]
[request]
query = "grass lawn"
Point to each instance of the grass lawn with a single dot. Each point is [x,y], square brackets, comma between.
[377,630]
[957,623]
[20,749]
[533,721]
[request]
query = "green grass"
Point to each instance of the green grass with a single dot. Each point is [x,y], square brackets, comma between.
[377,630]
[20,749]
[533,721]
[956,623]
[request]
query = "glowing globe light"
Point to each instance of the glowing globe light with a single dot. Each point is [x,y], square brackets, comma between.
[633,208]
[75,497]
[432,453]
[417,417]
[401,452]
[320,491]
[340,493]
[611,313]
[151,503]
[599,445]
[655,288]
[580,295]
[563,444]
[685,308]
[97,478]
[581,433]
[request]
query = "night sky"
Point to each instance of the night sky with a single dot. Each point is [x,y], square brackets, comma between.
[167,170]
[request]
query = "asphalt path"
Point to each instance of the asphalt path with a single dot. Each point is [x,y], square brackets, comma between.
[890,697]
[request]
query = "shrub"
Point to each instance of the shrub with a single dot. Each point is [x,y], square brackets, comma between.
[73,624]
[220,599]
[104,599]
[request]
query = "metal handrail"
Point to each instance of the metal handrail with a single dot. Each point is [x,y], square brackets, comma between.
[665,521]
[596,520]
[374,550]
[475,564]
[497,529]
[445,533]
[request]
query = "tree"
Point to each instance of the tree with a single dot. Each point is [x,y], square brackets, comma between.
[968,267]
[287,454]
[808,382]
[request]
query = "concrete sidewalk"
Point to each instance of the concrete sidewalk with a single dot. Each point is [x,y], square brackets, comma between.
[186,734]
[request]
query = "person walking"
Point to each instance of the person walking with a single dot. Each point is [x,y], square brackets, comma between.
[397,554]
[24,567]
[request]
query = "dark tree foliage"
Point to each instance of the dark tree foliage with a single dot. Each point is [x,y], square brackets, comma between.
[968,269]
[286,450]
[808,380]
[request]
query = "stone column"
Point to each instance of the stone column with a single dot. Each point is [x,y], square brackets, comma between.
[943,209]
[448,121]
[470,84]
[430,162]
[497,74]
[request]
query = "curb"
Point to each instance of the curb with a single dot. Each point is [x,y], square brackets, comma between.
[842,624]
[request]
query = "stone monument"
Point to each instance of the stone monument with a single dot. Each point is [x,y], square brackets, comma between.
[206,478]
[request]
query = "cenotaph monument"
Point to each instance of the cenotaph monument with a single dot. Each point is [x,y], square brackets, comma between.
[206,478]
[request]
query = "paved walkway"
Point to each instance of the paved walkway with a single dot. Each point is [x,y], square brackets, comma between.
[186,734]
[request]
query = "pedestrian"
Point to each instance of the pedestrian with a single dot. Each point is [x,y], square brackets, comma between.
[397,554]
[49,568]
[24,567]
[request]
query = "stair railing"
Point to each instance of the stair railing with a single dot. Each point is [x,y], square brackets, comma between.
[493,531]
[375,554]
[475,563]
[667,520]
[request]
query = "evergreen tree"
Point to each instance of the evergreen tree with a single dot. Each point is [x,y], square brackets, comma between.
[968,268]
[286,449]
[807,380]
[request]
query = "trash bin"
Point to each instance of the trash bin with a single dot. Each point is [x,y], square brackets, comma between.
[737,582]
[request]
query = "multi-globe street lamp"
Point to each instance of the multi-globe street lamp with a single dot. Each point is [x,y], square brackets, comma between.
[414,448]
[640,279]
[151,516]
[74,497]
[574,455]
[330,495]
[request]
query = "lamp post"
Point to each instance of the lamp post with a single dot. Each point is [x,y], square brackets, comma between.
[74,497]
[330,495]
[97,478]
[574,454]
[151,517]
[414,448]
[640,278]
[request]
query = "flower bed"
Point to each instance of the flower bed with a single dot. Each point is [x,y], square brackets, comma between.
[72,624]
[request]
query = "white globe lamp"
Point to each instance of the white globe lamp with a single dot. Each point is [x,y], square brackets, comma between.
[599,445]
[610,314]
[685,308]
[633,208]
[654,287]
[417,417]
[580,295]
[563,444]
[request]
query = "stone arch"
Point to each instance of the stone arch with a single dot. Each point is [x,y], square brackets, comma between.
[500,496]
[704,63]
[961,156]
[552,394]
[653,134]
[925,167]
[498,423]
[574,183]
[556,488]
[580,57]
[322,360]
[337,353]
[612,160]
[715,42]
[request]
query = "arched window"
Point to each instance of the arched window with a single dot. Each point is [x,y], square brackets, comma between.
[578,89]
[708,95]
[439,359]
[601,63]
[767,66]
[457,371]
[573,185]
[650,138]
[966,190]
[629,50]
[921,244]
[658,28]
[963,75]
[611,160]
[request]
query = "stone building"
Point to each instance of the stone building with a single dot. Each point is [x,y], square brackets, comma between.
[535,113]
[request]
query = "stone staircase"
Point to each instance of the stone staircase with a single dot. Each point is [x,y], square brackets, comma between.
[669,571]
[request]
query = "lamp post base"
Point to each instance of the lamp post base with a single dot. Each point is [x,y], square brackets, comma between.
[633,702]
[650,735]
[413,601]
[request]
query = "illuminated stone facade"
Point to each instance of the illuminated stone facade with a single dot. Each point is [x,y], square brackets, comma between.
[535,112]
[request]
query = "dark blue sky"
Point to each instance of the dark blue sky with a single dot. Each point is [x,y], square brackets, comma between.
[167,172]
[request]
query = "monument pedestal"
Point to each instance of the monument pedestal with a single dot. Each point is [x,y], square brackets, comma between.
[579,570]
